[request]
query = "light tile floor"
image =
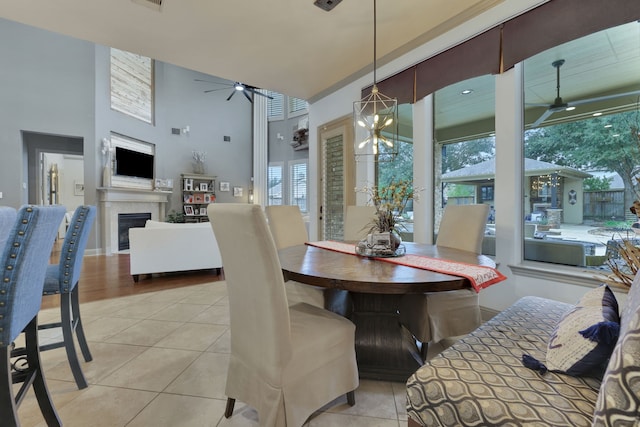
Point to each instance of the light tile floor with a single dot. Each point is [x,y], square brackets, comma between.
[160,359]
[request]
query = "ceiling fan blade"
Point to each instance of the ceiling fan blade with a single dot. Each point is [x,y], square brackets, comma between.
[256,92]
[232,93]
[604,98]
[542,118]
[541,104]
[244,91]
[215,90]
[210,81]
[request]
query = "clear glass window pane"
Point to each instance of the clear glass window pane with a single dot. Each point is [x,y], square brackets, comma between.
[298,185]
[464,157]
[582,151]
[274,184]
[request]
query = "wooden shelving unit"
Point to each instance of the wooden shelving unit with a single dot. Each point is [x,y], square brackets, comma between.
[197,192]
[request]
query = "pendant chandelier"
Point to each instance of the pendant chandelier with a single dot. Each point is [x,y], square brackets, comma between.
[376,120]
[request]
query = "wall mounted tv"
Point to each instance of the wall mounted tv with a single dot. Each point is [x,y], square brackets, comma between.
[133,163]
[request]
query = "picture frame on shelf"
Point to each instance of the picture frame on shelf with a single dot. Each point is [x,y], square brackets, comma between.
[204,186]
[224,186]
[198,198]
[237,191]
[163,184]
[188,198]
[203,211]
[188,210]
[209,198]
[78,188]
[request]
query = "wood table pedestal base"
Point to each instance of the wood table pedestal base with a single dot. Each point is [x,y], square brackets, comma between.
[384,349]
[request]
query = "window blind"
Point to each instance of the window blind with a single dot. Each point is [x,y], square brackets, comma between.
[132,84]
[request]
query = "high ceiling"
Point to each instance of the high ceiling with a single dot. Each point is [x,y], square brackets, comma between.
[296,48]
[289,46]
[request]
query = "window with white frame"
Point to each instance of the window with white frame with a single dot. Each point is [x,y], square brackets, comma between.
[275,106]
[298,184]
[581,164]
[297,107]
[132,85]
[274,183]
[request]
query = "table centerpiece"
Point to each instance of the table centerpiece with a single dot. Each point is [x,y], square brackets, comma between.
[383,238]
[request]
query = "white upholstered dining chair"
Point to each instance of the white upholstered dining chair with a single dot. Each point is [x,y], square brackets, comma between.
[286,361]
[434,316]
[356,221]
[288,229]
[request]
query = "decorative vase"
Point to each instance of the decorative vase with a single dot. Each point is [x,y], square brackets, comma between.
[198,167]
[395,238]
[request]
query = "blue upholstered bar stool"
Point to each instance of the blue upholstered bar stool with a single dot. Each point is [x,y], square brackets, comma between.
[7,219]
[24,261]
[62,278]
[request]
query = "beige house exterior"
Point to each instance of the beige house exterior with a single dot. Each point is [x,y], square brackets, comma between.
[540,179]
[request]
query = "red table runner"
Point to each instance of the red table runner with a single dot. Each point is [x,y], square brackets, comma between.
[480,276]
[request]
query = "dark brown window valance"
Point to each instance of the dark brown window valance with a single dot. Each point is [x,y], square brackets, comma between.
[475,57]
[560,21]
[401,85]
[501,47]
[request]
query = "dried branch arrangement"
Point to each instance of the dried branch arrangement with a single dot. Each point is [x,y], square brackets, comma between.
[624,272]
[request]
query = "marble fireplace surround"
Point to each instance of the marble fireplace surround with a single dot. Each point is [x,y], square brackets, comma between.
[113,201]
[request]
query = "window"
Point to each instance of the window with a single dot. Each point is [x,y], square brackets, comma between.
[464,165]
[298,184]
[275,106]
[274,184]
[297,107]
[132,85]
[581,164]
[401,168]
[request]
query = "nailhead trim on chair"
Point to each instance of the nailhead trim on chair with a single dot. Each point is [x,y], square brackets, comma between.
[7,280]
[72,247]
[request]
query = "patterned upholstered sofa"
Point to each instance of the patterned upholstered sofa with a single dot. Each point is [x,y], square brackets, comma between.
[481,381]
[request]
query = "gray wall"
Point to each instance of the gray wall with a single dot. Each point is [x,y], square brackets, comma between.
[281,150]
[54,84]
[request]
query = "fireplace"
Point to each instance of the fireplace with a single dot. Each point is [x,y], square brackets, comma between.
[127,221]
[114,201]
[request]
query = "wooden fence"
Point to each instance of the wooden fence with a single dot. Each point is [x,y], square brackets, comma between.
[604,205]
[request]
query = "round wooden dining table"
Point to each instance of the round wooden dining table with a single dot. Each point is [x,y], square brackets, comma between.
[368,291]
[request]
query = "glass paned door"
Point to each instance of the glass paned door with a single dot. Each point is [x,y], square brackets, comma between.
[333,204]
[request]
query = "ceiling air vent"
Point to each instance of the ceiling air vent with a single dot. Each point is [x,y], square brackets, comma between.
[326,4]
[151,4]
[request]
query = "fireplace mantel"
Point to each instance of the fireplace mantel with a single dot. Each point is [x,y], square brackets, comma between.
[115,200]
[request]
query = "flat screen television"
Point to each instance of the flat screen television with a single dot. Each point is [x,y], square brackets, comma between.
[133,163]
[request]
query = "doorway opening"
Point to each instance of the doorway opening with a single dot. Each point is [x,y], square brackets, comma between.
[55,170]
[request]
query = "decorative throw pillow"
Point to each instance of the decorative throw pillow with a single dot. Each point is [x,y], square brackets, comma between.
[583,340]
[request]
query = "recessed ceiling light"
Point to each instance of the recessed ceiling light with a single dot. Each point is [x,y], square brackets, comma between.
[608,126]
[615,134]
[570,108]
[466,92]
[597,114]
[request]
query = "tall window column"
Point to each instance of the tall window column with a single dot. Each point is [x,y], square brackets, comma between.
[260,150]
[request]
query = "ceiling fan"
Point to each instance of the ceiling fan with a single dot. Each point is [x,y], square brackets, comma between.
[246,90]
[560,105]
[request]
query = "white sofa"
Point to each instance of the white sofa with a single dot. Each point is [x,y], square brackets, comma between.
[162,247]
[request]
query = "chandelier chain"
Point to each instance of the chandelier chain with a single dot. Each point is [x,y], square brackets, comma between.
[375,42]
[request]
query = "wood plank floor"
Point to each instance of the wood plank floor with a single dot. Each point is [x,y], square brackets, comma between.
[104,277]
